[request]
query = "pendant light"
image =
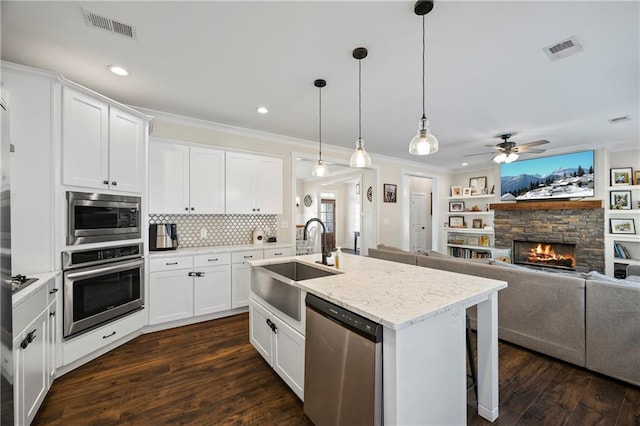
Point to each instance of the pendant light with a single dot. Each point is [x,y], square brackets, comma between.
[424,143]
[320,169]
[360,157]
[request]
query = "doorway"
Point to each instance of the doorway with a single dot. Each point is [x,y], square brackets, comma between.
[420,212]
[419,222]
[328,217]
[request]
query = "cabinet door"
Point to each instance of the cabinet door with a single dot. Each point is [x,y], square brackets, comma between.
[171,296]
[207,177]
[239,178]
[168,178]
[268,185]
[288,356]
[85,140]
[126,151]
[31,369]
[260,334]
[212,290]
[240,284]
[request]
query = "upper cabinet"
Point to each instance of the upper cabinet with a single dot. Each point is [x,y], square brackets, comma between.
[186,179]
[254,184]
[102,146]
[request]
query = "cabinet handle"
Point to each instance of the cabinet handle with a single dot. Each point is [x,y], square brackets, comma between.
[186,209]
[258,209]
[54,291]
[192,208]
[253,210]
[191,274]
[28,339]
[212,260]
[52,314]
[277,254]
[248,257]
[114,183]
[109,335]
[272,326]
[171,263]
[106,182]
[199,274]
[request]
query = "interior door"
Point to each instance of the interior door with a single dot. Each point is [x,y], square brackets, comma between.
[328,217]
[418,222]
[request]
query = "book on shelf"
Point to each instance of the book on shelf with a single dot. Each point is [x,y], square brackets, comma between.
[621,252]
[484,240]
[466,253]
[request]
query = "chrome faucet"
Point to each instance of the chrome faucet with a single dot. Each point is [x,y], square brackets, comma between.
[325,252]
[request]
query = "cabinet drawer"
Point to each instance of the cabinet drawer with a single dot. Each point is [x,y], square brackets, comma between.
[214,259]
[279,252]
[170,263]
[94,340]
[245,256]
[27,311]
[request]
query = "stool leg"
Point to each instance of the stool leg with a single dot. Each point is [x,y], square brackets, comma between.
[471,358]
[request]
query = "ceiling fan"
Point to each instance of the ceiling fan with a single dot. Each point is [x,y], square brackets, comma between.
[508,151]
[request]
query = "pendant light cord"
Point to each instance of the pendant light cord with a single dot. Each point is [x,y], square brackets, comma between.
[359,98]
[423,73]
[320,124]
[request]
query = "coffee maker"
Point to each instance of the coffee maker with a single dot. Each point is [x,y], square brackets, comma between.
[163,236]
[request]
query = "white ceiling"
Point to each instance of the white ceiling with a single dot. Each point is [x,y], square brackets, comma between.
[486,72]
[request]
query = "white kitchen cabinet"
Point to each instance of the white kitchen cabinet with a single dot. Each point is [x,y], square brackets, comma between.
[279,252]
[186,179]
[279,344]
[171,296]
[30,355]
[102,146]
[187,286]
[241,276]
[254,184]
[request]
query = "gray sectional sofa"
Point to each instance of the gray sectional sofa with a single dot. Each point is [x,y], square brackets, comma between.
[588,320]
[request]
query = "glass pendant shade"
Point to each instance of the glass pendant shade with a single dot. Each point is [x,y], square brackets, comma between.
[320,169]
[424,143]
[360,157]
[506,158]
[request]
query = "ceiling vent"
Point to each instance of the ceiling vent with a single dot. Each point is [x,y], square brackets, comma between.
[619,119]
[102,22]
[563,49]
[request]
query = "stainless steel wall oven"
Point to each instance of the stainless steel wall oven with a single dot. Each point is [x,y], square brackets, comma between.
[95,218]
[101,285]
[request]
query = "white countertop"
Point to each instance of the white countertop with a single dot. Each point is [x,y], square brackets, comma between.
[393,294]
[26,292]
[216,249]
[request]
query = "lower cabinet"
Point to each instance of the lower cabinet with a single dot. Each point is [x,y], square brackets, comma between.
[187,286]
[279,344]
[241,276]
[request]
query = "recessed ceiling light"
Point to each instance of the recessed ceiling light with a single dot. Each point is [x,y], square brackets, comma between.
[465,164]
[262,110]
[117,70]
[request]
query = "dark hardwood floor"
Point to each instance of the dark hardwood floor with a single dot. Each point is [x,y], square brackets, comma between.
[209,374]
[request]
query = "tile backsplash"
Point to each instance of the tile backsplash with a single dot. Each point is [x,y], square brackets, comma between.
[220,229]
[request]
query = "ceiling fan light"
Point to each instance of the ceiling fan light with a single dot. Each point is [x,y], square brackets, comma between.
[320,169]
[511,157]
[500,158]
[360,157]
[424,142]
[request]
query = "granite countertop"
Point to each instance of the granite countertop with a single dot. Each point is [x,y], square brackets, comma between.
[393,294]
[25,293]
[216,249]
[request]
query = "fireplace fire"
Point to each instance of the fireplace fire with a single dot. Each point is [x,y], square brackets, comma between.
[552,255]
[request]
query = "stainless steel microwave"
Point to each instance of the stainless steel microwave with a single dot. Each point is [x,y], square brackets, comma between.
[94,217]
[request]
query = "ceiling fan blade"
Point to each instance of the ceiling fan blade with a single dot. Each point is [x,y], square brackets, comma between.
[494,146]
[523,150]
[479,153]
[534,143]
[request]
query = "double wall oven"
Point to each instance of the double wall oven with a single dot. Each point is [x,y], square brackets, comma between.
[106,281]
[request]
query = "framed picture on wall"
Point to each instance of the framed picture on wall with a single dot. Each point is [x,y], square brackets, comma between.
[621,176]
[637,177]
[479,183]
[390,193]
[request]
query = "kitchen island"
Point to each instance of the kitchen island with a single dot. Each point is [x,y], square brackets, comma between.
[423,314]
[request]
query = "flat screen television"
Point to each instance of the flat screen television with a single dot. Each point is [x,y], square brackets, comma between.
[556,177]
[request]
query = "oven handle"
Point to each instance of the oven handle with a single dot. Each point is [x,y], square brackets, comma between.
[108,269]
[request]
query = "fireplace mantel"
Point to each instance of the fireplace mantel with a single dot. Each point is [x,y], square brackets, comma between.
[548,205]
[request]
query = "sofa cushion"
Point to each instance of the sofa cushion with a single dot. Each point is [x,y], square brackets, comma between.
[394,256]
[613,334]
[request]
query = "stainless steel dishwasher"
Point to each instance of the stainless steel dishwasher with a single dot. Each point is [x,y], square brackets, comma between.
[342,367]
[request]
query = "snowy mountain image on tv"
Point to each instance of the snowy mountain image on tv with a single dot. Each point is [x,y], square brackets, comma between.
[559,176]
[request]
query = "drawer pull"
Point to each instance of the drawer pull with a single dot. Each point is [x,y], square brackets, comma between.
[171,263]
[109,335]
[212,260]
[54,291]
[191,274]
[52,313]
[248,257]
[277,254]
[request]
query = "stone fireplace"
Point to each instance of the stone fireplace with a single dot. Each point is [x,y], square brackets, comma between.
[579,223]
[545,254]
